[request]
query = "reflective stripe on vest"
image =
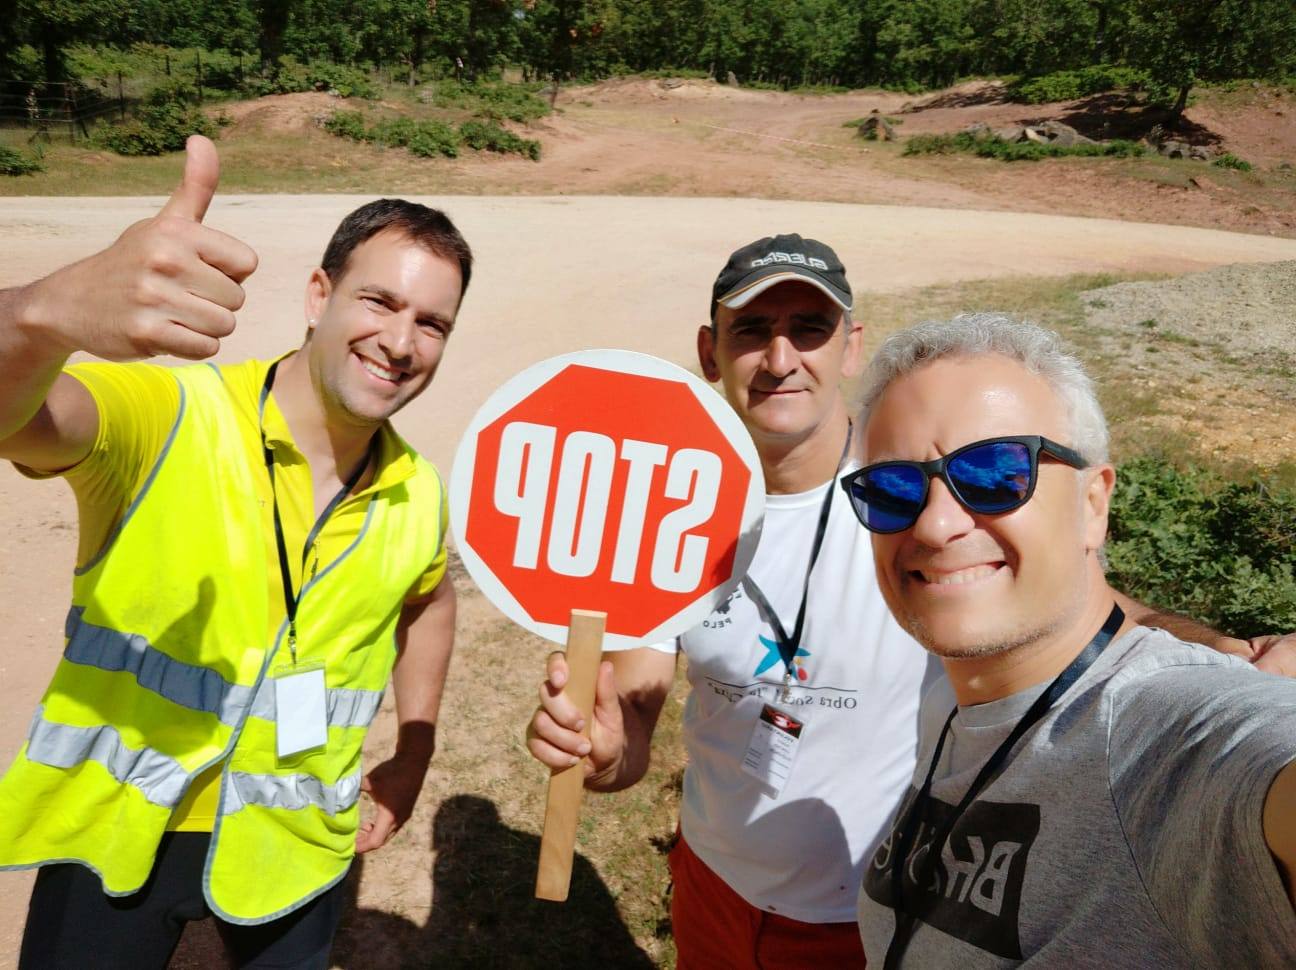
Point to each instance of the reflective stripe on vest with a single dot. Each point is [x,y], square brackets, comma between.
[291,792]
[160,778]
[194,687]
[197,688]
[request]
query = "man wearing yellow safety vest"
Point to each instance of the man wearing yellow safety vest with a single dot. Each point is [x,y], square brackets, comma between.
[259,553]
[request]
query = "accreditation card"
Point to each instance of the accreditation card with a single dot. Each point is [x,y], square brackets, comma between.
[301,713]
[773,747]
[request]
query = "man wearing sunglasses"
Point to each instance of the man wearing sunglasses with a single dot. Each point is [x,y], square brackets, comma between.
[766,870]
[1089,792]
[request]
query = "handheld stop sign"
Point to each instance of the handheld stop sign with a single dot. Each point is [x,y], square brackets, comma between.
[603,496]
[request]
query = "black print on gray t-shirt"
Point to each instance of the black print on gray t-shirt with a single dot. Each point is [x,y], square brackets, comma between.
[975,892]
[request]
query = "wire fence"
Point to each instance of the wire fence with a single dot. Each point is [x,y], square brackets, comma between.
[63,109]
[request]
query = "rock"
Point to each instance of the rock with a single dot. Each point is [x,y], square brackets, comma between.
[1174,149]
[1064,136]
[978,129]
[1198,153]
[731,79]
[1011,133]
[671,83]
[1035,135]
[876,128]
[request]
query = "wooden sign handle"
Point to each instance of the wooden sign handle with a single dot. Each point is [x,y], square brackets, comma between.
[567,787]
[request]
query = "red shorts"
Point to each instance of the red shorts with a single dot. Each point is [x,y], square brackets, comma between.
[714,927]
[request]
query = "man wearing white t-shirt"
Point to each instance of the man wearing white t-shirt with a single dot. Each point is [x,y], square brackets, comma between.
[770,854]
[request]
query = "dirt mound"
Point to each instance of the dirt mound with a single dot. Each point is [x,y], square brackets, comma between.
[276,113]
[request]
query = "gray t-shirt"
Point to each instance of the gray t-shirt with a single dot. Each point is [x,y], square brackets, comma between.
[1125,831]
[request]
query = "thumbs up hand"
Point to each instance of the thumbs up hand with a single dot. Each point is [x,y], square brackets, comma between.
[168,285]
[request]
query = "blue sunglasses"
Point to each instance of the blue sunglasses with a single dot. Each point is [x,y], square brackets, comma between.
[986,477]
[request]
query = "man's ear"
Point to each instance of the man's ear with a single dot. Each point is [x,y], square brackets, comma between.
[1099,484]
[853,362]
[318,290]
[706,339]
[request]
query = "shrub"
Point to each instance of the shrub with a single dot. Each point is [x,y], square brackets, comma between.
[488,136]
[1229,160]
[1220,551]
[990,146]
[496,101]
[161,125]
[1069,85]
[16,163]
[430,138]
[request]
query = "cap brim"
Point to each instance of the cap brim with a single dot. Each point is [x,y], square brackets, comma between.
[744,293]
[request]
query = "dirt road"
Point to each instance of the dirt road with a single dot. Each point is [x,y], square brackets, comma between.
[554,274]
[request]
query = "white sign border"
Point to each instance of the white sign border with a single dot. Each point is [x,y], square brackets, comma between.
[523,384]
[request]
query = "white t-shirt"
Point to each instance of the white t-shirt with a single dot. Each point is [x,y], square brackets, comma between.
[802,853]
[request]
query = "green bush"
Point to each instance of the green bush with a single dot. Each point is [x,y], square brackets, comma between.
[1229,160]
[990,146]
[160,125]
[294,78]
[426,139]
[430,138]
[1069,85]
[1220,551]
[494,100]
[488,136]
[347,124]
[16,163]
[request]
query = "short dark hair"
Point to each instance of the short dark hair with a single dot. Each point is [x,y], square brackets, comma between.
[430,228]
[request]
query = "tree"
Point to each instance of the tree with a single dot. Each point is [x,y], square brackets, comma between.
[51,25]
[1180,43]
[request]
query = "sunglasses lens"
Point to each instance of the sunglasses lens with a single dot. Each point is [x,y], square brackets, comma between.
[992,478]
[890,497]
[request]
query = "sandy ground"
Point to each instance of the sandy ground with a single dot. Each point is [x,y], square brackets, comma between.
[554,275]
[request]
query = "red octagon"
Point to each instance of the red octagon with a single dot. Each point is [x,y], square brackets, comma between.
[620,406]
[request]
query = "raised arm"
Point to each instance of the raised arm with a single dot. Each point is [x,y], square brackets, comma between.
[631,688]
[168,285]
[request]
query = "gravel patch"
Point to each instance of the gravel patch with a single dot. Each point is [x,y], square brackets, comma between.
[1246,312]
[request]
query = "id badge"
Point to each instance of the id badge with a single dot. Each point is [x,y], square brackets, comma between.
[773,747]
[301,713]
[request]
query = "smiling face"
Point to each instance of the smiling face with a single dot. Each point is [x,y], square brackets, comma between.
[377,333]
[969,585]
[780,360]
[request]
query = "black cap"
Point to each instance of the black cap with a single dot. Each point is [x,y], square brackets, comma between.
[776,259]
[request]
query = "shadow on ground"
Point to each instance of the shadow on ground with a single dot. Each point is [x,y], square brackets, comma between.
[483,912]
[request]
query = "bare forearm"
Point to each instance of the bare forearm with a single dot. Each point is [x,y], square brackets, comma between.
[425,640]
[1183,627]
[30,358]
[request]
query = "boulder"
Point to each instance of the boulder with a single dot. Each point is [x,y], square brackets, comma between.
[1064,136]
[1010,133]
[731,79]
[876,128]
[672,82]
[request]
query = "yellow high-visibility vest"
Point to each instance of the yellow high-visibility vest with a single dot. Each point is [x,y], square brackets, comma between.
[167,671]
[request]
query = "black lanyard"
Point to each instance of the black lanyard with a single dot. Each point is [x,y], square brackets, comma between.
[291,599]
[906,921]
[789,645]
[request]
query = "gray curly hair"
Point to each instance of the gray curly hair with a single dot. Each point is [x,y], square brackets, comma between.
[972,334]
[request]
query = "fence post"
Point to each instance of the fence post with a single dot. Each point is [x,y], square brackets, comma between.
[198,62]
[121,97]
[68,113]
